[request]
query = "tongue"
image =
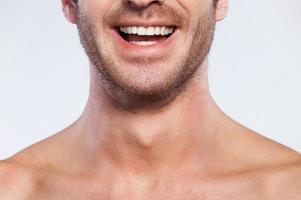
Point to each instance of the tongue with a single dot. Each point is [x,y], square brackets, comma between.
[156,38]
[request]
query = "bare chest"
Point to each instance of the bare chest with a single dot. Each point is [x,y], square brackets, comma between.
[218,191]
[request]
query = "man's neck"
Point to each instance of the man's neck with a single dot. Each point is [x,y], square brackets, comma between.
[146,142]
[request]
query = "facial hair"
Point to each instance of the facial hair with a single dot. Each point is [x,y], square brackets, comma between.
[119,88]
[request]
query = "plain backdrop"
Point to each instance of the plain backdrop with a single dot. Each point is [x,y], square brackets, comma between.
[254,70]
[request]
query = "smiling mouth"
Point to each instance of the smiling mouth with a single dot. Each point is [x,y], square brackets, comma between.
[145,36]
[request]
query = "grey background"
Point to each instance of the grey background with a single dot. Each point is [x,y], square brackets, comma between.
[254,70]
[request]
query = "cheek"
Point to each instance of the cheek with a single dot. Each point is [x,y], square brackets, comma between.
[202,9]
[195,7]
[196,10]
[97,4]
[95,9]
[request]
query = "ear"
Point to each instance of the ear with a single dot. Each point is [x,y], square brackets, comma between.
[221,9]
[70,10]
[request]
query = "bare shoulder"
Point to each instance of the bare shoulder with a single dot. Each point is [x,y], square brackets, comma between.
[16,181]
[24,175]
[283,182]
[273,169]
[280,170]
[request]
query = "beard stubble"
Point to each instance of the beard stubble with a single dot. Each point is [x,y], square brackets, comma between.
[115,83]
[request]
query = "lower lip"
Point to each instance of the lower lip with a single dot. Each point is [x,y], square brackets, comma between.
[158,49]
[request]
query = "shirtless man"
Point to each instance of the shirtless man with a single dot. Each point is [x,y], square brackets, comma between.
[150,129]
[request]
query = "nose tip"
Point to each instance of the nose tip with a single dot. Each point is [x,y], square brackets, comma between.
[138,4]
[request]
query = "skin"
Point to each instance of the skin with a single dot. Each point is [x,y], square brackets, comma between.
[181,146]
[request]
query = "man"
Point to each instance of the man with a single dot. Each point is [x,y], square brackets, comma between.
[150,129]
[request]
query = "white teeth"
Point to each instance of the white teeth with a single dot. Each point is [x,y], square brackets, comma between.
[143,43]
[134,30]
[170,30]
[163,31]
[129,30]
[123,29]
[140,30]
[150,31]
[157,31]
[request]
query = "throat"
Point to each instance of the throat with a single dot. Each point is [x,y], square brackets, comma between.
[151,149]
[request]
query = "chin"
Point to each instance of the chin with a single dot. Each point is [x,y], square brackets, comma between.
[147,86]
